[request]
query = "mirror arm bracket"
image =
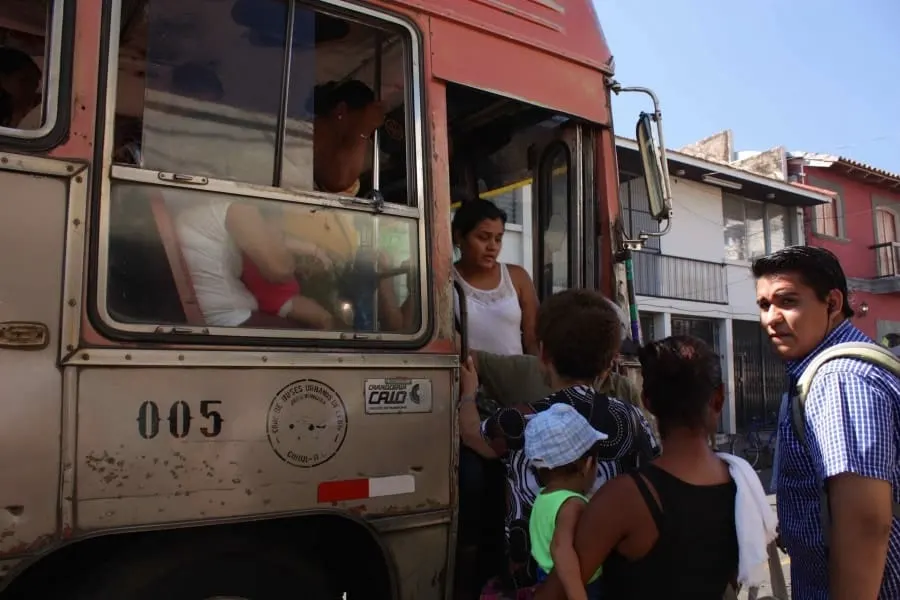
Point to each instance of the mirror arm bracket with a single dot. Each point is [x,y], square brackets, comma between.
[656,116]
[638,243]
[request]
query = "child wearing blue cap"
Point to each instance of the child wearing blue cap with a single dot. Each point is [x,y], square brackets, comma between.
[561,446]
[578,335]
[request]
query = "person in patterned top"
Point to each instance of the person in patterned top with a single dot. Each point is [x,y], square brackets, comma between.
[579,335]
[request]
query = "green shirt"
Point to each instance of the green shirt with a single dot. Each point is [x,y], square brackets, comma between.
[542,524]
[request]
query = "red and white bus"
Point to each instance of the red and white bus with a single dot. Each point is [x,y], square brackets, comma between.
[155,446]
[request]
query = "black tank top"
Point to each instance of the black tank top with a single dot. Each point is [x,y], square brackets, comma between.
[696,554]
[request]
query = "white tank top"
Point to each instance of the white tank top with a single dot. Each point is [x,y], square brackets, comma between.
[213,259]
[494,316]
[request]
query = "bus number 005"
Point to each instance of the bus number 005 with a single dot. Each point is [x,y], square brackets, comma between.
[179,418]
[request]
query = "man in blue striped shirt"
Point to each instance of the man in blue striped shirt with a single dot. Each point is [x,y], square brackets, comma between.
[852,429]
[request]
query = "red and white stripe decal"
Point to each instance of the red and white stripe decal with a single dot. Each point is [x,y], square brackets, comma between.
[371,487]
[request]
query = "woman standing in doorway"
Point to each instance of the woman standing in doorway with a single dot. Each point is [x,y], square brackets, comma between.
[500,298]
[502,310]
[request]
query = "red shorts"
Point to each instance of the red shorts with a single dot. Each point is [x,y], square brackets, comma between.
[271,297]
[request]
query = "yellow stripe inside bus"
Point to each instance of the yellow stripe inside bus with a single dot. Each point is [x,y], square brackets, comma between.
[488,195]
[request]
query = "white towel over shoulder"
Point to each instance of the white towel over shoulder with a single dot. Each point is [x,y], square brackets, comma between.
[754,519]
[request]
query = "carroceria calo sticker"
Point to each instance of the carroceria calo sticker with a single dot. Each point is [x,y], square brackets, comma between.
[398,395]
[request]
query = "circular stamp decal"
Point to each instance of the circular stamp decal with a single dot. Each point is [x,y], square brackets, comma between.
[307,423]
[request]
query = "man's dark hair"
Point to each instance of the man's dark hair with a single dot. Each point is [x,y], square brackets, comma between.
[816,267]
[580,333]
[472,212]
[13,60]
[680,374]
[353,92]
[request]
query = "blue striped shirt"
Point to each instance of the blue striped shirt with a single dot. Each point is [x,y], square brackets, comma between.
[852,426]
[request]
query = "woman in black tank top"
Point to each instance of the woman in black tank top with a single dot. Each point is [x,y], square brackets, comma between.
[667,531]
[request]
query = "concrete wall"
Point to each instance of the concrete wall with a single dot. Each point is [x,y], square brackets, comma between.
[719,147]
[697,222]
[771,163]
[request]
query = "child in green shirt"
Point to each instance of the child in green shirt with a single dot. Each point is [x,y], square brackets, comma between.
[561,446]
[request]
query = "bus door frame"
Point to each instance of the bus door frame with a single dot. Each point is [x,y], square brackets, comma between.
[570,138]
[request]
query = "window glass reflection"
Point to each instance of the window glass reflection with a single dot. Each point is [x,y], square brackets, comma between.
[197,258]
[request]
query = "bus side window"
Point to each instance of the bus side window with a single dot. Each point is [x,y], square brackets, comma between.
[211,94]
[275,137]
[30,51]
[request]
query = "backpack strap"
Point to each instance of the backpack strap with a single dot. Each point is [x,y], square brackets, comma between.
[865,351]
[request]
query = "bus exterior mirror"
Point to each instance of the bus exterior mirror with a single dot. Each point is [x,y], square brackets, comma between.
[651,164]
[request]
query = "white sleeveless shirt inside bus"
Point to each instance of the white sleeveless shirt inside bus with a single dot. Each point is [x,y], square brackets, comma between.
[213,259]
[494,316]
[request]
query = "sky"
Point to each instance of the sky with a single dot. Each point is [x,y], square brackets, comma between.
[814,76]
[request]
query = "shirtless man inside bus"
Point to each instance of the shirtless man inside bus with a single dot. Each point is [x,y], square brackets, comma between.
[254,282]
[20,78]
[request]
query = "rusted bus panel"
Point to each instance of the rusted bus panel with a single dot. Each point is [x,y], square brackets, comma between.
[32,238]
[420,556]
[487,62]
[567,29]
[440,201]
[151,449]
[607,190]
[80,143]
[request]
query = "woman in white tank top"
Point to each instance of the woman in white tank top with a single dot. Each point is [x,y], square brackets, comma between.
[500,299]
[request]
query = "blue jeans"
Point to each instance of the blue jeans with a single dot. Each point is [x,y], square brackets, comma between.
[594,589]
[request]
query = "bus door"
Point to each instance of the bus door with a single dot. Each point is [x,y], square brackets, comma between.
[561,221]
[528,161]
[41,199]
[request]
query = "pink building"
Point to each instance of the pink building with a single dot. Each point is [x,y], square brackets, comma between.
[861,225]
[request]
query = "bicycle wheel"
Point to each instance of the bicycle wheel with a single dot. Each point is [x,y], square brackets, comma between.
[747,448]
[752,452]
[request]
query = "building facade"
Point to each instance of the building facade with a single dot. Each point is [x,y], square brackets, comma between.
[861,225]
[696,279]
